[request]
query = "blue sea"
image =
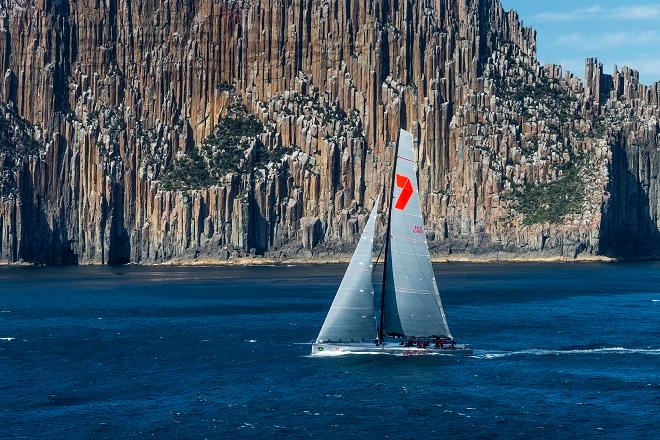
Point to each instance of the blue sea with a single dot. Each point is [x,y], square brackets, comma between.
[562,351]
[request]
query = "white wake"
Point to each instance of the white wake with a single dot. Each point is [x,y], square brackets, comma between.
[548,352]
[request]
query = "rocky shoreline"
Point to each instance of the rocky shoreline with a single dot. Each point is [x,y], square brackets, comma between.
[345,258]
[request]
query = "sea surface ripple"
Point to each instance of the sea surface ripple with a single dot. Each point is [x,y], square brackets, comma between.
[561,351]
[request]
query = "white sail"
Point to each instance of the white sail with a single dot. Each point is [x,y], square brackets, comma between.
[411,301]
[352,317]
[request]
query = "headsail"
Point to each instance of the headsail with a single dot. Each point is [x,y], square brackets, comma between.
[351,317]
[411,301]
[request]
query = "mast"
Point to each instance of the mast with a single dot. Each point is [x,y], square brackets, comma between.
[381,329]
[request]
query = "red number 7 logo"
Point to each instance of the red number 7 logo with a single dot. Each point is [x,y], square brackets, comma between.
[405,184]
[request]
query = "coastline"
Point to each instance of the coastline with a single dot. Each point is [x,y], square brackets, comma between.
[345,258]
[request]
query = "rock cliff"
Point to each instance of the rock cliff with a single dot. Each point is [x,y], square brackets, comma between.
[146,131]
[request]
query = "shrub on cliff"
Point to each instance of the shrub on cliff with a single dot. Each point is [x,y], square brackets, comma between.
[265,156]
[187,172]
[16,144]
[232,147]
[552,202]
[16,134]
[225,148]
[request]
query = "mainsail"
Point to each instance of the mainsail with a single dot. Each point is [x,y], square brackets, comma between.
[351,317]
[411,303]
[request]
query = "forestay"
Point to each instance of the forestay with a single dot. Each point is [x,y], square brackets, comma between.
[352,317]
[412,305]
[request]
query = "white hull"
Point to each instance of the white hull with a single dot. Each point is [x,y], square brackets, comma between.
[330,349]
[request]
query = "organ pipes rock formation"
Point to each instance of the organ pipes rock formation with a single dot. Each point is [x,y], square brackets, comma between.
[148,131]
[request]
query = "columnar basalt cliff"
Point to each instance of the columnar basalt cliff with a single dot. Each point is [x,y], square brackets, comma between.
[148,131]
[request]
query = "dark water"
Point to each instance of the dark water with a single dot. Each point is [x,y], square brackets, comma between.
[562,352]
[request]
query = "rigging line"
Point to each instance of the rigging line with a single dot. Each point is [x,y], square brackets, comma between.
[378,257]
[381,330]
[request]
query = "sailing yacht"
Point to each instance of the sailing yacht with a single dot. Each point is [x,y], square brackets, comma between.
[411,319]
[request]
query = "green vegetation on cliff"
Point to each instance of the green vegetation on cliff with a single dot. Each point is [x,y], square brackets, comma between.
[232,147]
[16,144]
[187,173]
[16,134]
[551,202]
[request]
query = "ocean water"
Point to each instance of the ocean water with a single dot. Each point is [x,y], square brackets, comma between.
[562,351]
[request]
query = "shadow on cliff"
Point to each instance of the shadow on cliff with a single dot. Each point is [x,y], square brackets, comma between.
[629,230]
[42,240]
[260,230]
[44,230]
[57,249]
[119,246]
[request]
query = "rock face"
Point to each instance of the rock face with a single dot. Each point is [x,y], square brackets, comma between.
[118,142]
